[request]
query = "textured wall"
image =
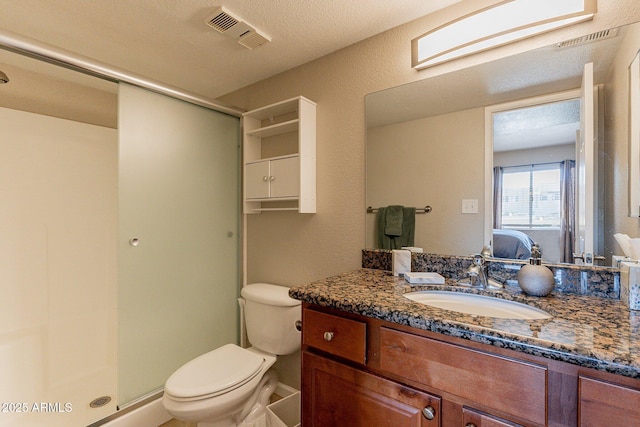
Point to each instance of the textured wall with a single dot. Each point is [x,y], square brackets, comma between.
[289,248]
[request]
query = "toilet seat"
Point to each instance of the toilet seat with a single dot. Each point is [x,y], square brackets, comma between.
[212,374]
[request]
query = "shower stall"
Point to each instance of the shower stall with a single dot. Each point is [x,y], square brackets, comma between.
[119,249]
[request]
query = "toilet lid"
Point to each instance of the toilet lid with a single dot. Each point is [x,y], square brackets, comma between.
[216,372]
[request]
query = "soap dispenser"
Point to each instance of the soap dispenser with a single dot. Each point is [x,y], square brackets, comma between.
[534,278]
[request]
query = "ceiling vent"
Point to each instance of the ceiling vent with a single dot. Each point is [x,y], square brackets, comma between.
[589,38]
[253,39]
[234,27]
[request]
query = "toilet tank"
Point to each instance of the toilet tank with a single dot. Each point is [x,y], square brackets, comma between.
[270,318]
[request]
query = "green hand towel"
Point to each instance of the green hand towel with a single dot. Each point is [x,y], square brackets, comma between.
[383,240]
[393,221]
[408,229]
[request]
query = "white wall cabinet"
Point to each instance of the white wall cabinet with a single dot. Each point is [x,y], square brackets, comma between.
[273,179]
[279,150]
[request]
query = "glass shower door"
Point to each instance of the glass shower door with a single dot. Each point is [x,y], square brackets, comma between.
[178,228]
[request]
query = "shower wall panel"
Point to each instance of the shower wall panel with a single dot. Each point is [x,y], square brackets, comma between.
[58,228]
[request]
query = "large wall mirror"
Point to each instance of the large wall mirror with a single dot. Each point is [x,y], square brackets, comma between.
[440,141]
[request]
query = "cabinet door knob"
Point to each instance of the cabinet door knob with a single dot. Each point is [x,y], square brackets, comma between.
[469,425]
[265,178]
[429,413]
[328,336]
[272,178]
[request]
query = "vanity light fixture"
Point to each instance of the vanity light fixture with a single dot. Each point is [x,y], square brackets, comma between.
[502,23]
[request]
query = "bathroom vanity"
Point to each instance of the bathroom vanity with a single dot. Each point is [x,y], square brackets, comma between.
[373,357]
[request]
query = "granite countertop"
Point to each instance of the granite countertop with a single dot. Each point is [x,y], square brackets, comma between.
[593,332]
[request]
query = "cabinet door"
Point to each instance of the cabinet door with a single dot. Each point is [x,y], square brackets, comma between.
[473,418]
[338,395]
[257,180]
[285,177]
[505,385]
[605,404]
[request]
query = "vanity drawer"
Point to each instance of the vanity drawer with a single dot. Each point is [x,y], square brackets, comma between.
[336,335]
[511,386]
[603,403]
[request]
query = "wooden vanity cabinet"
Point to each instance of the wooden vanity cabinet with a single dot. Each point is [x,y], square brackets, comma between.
[336,394]
[368,372]
[360,372]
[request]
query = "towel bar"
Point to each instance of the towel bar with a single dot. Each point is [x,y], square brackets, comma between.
[424,210]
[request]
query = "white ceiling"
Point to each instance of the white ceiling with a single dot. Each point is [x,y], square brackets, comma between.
[168,42]
[538,126]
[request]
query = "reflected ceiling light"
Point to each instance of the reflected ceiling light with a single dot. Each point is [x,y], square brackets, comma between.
[502,23]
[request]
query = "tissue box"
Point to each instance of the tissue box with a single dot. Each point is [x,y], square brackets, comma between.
[630,284]
[401,261]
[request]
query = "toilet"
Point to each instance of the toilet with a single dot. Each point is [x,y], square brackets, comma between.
[231,386]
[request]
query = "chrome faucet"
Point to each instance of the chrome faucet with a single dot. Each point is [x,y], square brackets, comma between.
[475,274]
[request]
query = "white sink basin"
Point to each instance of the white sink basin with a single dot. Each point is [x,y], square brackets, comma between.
[477,304]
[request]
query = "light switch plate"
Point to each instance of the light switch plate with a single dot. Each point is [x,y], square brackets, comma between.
[469,206]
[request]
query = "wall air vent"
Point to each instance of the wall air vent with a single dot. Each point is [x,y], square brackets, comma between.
[589,38]
[234,27]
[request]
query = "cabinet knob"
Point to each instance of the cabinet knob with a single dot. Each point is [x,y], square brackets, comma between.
[272,178]
[429,413]
[469,425]
[265,178]
[298,325]
[328,336]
